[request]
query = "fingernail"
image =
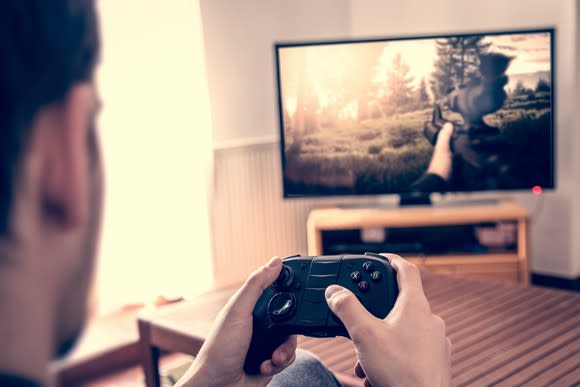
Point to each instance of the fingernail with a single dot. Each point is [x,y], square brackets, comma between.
[332,290]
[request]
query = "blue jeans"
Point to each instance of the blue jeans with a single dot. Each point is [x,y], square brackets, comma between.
[307,370]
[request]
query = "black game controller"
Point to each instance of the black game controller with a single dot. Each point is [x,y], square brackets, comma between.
[295,303]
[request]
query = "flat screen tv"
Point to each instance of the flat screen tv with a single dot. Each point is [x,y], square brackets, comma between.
[363,117]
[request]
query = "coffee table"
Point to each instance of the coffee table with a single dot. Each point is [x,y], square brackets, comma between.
[503,333]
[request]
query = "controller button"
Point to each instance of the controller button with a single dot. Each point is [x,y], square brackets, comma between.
[285,278]
[355,276]
[376,275]
[282,306]
[379,256]
[368,266]
[363,286]
[291,256]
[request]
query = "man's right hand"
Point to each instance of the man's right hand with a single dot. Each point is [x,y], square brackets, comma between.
[409,347]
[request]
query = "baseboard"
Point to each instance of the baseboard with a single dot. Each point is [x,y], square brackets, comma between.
[556,282]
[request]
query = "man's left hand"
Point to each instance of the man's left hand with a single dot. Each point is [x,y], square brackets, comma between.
[221,359]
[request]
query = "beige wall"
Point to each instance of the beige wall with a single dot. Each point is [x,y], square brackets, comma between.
[239,39]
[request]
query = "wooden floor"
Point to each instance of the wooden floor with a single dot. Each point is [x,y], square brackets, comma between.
[503,335]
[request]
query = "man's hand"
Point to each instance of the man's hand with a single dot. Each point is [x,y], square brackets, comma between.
[442,160]
[221,359]
[409,347]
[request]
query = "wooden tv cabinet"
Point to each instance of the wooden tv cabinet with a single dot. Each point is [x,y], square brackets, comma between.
[509,264]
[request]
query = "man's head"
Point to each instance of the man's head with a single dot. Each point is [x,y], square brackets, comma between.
[50,170]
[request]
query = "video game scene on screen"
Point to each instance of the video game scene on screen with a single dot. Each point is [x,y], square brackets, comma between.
[355,114]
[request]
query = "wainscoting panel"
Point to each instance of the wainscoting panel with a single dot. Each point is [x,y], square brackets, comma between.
[251,222]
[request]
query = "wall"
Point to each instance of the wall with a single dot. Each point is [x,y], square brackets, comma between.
[240,38]
[555,249]
[251,221]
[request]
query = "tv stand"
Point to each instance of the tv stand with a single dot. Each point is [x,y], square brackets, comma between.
[466,203]
[432,225]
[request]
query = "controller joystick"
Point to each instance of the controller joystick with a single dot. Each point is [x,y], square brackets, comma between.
[295,303]
[285,278]
[282,306]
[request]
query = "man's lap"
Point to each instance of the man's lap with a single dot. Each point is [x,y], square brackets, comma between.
[307,370]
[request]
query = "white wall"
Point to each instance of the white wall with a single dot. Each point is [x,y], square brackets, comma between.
[156,135]
[239,38]
[556,227]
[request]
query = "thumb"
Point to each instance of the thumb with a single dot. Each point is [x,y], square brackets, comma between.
[244,300]
[344,304]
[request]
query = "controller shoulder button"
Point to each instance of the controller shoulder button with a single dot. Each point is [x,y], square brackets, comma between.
[375,255]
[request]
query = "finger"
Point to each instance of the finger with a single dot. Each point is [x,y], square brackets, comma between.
[447,129]
[343,303]
[285,352]
[358,370]
[408,275]
[244,300]
[444,136]
[268,368]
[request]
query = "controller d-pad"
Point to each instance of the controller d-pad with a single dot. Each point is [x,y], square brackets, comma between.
[282,306]
[355,276]
[376,275]
[363,286]
[368,266]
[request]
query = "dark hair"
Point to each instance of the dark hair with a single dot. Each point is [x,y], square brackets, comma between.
[45,48]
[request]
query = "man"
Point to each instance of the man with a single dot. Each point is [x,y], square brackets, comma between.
[50,205]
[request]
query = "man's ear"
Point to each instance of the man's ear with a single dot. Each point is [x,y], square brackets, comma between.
[65,178]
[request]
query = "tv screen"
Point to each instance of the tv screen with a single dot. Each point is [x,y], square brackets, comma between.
[363,117]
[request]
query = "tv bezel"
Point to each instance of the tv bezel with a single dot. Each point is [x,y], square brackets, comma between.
[279,45]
